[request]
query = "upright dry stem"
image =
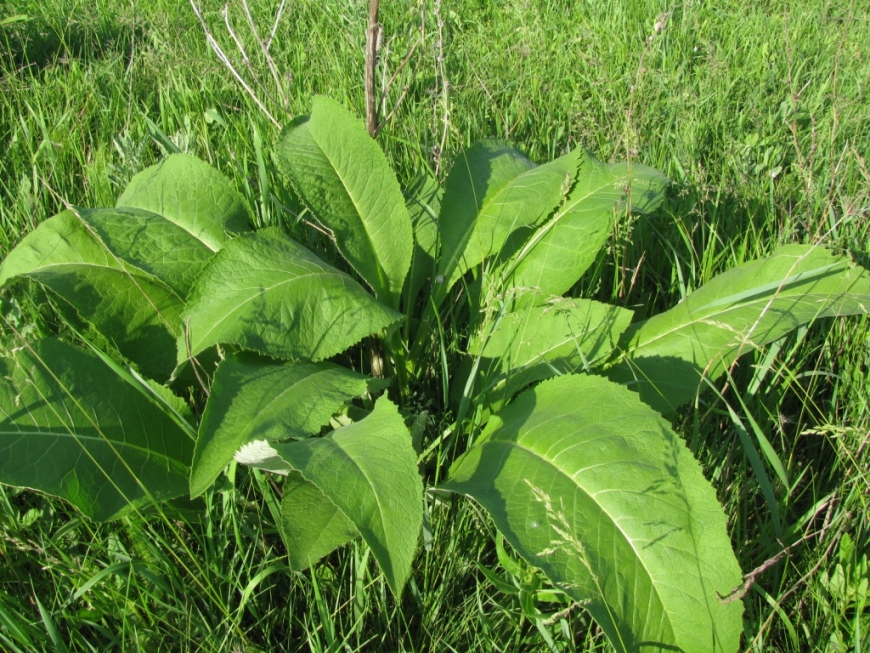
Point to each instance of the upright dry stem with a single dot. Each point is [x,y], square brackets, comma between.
[225,60]
[372,42]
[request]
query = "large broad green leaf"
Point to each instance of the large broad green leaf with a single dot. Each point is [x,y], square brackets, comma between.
[71,427]
[151,243]
[369,471]
[592,486]
[134,309]
[738,311]
[562,336]
[344,178]
[270,294]
[126,270]
[256,399]
[477,179]
[505,205]
[312,525]
[554,256]
[187,191]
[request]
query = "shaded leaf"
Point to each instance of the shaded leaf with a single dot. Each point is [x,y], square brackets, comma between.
[424,204]
[344,178]
[135,310]
[369,471]
[312,525]
[267,293]
[593,487]
[736,312]
[71,427]
[256,399]
[512,209]
[478,177]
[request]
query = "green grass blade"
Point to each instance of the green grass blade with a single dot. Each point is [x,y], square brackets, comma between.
[53,633]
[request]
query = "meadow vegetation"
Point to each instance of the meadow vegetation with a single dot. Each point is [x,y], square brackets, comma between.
[756,111]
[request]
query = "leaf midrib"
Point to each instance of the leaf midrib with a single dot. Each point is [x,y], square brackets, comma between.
[336,446]
[263,291]
[198,237]
[124,271]
[802,298]
[381,272]
[368,480]
[578,340]
[268,406]
[136,212]
[568,208]
[90,439]
[456,256]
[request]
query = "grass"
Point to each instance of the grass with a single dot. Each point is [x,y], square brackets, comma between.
[757,111]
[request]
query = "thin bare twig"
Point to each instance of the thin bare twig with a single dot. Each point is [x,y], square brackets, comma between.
[385,62]
[395,74]
[445,86]
[218,50]
[275,24]
[421,42]
[803,579]
[402,95]
[225,12]
[270,63]
[749,579]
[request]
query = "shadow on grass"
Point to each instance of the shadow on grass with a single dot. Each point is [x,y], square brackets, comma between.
[84,32]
